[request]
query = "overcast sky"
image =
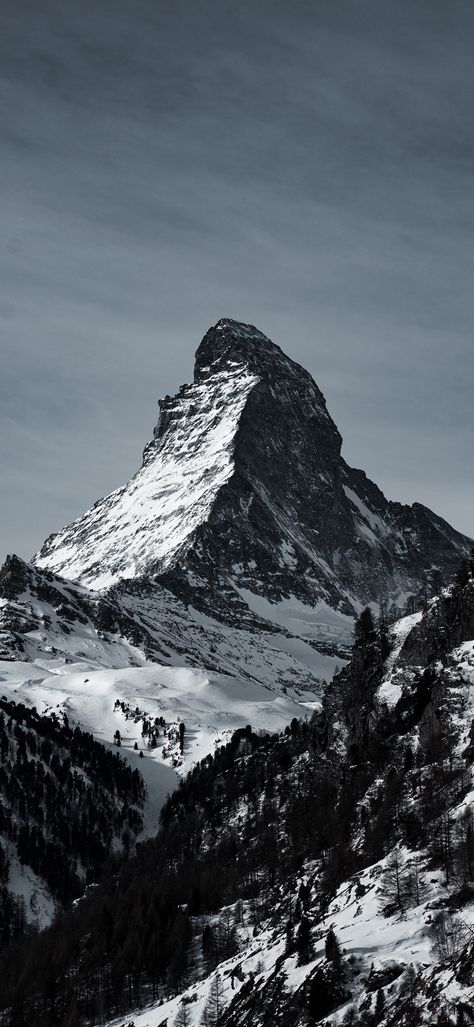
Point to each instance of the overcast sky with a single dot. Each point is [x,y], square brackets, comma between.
[304,166]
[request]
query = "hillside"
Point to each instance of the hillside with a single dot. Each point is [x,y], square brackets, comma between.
[67,806]
[325,872]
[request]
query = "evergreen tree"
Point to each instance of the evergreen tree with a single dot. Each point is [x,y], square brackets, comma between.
[364,629]
[379,1006]
[304,946]
[471,562]
[394,883]
[332,947]
[73,1018]
[463,574]
[290,939]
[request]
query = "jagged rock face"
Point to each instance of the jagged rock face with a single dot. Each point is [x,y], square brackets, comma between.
[244,498]
[266,527]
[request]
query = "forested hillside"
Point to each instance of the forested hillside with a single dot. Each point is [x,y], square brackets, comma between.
[369,799]
[67,804]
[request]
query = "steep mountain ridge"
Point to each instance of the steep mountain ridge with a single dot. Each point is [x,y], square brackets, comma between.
[243,496]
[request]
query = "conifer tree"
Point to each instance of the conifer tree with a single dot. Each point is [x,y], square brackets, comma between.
[471,562]
[332,948]
[462,574]
[364,628]
[379,1006]
[395,881]
[304,946]
[290,941]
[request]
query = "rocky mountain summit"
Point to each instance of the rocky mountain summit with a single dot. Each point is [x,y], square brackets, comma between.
[244,508]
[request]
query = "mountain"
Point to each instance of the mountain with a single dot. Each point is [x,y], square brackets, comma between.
[188,618]
[220,584]
[244,507]
[322,875]
[218,587]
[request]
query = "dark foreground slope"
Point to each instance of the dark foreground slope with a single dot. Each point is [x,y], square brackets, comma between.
[328,868]
[67,805]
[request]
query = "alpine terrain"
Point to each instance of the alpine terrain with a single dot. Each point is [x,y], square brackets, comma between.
[250,648]
[321,875]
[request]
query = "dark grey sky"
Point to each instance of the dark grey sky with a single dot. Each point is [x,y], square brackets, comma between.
[305,166]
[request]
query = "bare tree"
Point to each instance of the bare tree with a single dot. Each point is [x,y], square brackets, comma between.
[414,887]
[449,935]
[214,1007]
[394,881]
[182,1018]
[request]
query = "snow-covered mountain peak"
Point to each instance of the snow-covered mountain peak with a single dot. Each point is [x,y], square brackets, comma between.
[13,570]
[149,524]
[243,496]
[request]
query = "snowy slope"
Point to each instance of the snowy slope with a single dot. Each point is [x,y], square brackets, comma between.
[211,706]
[154,517]
[359,821]
[374,946]
[43,617]
[72,650]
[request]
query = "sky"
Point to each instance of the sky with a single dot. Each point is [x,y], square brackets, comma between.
[305,166]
